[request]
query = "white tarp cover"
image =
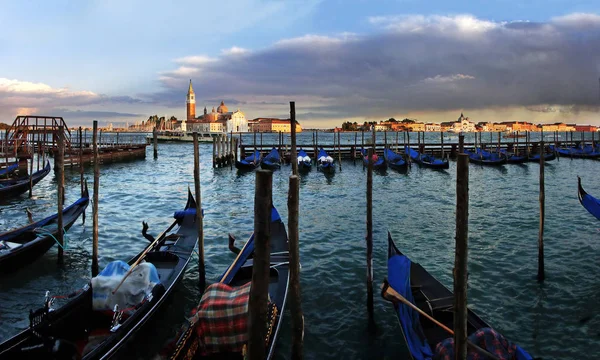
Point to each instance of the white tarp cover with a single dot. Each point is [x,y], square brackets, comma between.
[133,290]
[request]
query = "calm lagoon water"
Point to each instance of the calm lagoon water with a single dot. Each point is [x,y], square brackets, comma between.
[417,207]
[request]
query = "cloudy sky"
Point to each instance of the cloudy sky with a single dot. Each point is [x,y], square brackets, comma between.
[123,60]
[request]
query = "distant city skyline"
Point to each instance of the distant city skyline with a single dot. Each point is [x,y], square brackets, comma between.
[121,62]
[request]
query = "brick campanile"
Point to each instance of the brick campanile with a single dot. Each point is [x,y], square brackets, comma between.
[191,103]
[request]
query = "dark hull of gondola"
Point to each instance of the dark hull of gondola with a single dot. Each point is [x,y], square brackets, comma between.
[434,298]
[242,274]
[547,157]
[444,165]
[17,187]
[590,203]
[75,322]
[244,166]
[516,159]
[304,167]
[327,167]
[268,165]
[34,245]
[476,159]
[395,161]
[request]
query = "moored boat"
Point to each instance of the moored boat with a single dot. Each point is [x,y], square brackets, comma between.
[395,160]
[205,336]
[590,203]
[22,246]
[249,163]
[586,152]
[272,161]
[304,161]
[104,315]
[325,162]
[8,170]
[482,157]
[11,188]
[536,157]
[423,337]
[427,160]
[378,163]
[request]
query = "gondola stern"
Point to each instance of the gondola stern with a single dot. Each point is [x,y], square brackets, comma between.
[191,202]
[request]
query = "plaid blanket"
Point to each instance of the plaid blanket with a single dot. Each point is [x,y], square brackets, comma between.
[485,338]
[221,318]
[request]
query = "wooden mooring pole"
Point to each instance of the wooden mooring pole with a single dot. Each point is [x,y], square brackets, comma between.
[60,158]
[259,290]
[541,274]
[461,143]
[461,256]
[339,151]
[294,246]
[369,239]
[95,201]
[199,220]
[294,154]
[155,142]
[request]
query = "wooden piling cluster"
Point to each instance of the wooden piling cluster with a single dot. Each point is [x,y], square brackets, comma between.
[224,150]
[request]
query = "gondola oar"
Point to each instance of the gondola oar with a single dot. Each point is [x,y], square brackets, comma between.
[388,293]
[143,255]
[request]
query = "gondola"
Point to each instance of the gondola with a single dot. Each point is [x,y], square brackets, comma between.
[7,171]
[415,284]
[587,152]
[379,163]
[536,157]
[22,246]
[272,161]
[483,157]
[304,161]
[17,187]
[590,203]
[325,162]
[427,160]
[250,162]
[89,326]
[395,160]
[514,158]
[227,340]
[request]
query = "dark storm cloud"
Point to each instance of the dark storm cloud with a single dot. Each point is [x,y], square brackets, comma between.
[414,63]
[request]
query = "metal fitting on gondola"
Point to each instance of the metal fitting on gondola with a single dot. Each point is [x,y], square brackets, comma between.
[116,320]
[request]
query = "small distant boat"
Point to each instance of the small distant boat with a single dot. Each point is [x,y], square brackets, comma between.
[427,160]
[218,330]
[378,163]
[590,203]
[513,135]
[10,188]
[249,163]
[304,161]
[325,162]
[272,161]
[483,157]
[395,160]
[22,246]
[412,282]
[7,171]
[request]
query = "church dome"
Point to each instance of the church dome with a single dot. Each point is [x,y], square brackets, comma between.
[222,109]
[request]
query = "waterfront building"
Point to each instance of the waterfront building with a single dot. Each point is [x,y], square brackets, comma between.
[556,127]
[273,125]
[219,120]
[433,127]
[586,128]
[462,125]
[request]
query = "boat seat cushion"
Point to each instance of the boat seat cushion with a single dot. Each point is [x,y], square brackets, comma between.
[134,289]
[221,319]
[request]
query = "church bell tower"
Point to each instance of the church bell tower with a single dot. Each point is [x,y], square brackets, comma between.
[191,103]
